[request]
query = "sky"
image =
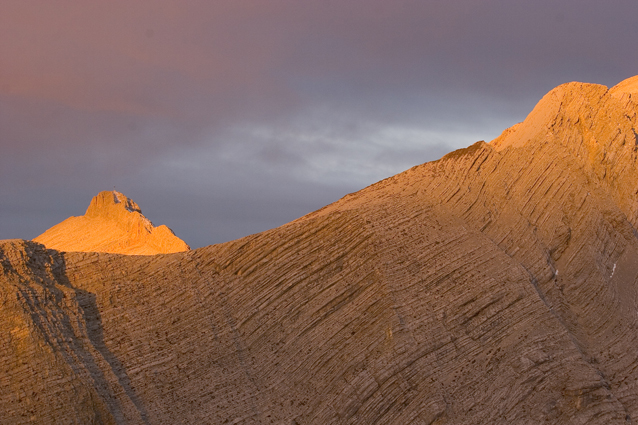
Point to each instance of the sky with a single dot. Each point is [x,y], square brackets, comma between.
[230,117]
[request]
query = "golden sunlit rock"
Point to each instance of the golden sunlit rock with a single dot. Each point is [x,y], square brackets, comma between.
[497,285]
[112,223]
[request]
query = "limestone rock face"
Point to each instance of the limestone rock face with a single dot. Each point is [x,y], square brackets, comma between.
[112,223]
[498,285]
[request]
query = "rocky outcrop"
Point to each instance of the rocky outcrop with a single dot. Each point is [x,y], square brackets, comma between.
[496,285]
[112,223]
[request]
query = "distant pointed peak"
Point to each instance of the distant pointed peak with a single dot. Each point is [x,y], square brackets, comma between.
[110,200]
[113,223]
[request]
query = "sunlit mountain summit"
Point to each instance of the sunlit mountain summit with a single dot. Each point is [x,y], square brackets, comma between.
[112,223]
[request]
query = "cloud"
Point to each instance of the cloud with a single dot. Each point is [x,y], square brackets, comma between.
[260,111]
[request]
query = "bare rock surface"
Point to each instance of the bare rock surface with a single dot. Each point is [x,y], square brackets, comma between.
[497,285]
[113,223]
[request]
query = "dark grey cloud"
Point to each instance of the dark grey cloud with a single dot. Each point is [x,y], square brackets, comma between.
[230,117]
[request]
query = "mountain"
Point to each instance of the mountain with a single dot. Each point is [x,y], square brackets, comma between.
[497,285]
[112,223]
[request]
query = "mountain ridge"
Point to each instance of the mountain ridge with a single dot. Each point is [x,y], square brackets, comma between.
[496,285]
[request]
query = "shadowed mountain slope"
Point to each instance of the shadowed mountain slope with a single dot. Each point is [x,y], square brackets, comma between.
[112,223]
[496,285]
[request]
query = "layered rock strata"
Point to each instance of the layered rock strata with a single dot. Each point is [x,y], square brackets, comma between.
[496,285]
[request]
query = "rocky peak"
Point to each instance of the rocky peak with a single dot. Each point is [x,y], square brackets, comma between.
[111,200]
[568,102]
[112,223]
